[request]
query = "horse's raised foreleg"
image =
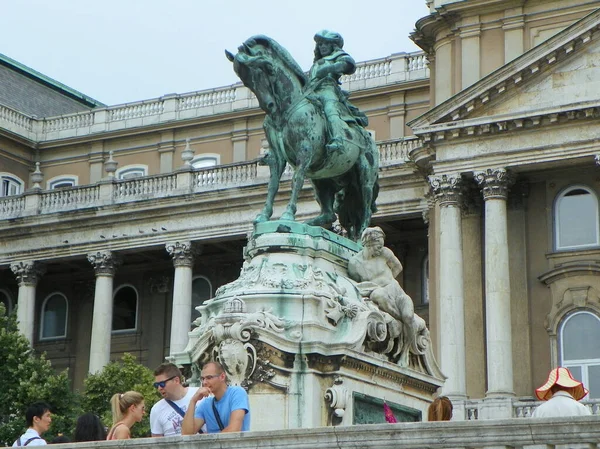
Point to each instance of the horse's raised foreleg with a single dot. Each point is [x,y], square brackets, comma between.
[325,194]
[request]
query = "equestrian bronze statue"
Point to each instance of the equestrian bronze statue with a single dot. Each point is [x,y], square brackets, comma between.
[311,125]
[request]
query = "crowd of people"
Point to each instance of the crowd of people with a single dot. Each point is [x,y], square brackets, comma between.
[217,407]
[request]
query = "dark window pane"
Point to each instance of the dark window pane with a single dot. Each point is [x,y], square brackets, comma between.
[594,382]
[201,291]
[578,331]
[125,309]
[4,300]
[577,219]
[54,317]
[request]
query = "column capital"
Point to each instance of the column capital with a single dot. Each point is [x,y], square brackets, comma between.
[447,189]
[105,263]
[494,182]
[183,253]
[28,272]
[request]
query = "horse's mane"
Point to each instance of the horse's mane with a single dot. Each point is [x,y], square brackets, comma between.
[282,53]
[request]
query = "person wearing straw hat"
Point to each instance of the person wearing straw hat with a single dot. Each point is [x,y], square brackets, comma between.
[561,393]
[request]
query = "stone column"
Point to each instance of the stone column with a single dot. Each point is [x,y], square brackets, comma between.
[28,274]
[105,264]
[494,184]
[183,254]
[447,189]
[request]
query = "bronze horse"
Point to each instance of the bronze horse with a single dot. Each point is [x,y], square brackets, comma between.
[345,181]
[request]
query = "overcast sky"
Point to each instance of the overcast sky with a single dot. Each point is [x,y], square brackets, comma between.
[119,51]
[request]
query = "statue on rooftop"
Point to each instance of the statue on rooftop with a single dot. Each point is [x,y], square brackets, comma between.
[311,125]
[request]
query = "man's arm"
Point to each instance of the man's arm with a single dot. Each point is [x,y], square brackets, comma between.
[190,424]
[154,423]
[236,420]
[392,262]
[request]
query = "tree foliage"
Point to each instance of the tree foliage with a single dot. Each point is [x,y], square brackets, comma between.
[27,378]
[119,377]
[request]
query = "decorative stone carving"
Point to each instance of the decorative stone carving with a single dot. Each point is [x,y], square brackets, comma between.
[110,166]
[337,396]
[238,360]
[376,268]
[105,263]
[447,189]
[187,154]
[37,177]
[494,183]
[28,273]
[183,253]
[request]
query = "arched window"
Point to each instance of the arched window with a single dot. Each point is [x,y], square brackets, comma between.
[577,331]
[206,160]
[201,291]
[125,309]
[54,317]
[10,184]
[425,280]
[5,299]
[576,218]
[61,182]
[131,171]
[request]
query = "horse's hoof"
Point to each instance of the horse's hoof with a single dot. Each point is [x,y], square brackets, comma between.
[260,218]
[287,216]
[322,220]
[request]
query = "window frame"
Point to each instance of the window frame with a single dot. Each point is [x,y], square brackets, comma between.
[137,311]
[210,286]
[204,157]
[11,178]
[51,183]
[425,280]
[11,303]
[124,171]
[556,222]
[42,312]
[583,364]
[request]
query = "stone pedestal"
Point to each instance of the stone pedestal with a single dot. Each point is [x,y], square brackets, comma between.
[294,330]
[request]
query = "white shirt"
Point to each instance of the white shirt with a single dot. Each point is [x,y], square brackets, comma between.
[164,420]
[561,404]
[31,433]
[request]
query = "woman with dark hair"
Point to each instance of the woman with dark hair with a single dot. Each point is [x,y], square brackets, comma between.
[440,410]
[89,428]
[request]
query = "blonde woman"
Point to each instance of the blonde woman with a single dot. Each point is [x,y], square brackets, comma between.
[127,409]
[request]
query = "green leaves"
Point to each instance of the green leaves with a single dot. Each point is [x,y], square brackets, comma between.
[119,377]
[27,378]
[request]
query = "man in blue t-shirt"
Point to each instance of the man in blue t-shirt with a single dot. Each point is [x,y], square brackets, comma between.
[226,411]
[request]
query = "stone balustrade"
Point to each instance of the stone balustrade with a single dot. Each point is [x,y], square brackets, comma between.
[563,433]
[396,68]
[392,152]
[521,407]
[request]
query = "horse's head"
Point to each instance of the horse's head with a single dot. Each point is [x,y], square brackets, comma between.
[269,71]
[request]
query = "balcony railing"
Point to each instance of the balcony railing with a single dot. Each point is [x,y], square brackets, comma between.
[392,152]
[563,433]
[521,407]
[397,68]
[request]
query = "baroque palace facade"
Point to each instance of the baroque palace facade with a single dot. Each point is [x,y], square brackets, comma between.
[117,221]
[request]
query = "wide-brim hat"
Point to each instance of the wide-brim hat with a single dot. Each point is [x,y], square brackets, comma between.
[564,378]
[329,36]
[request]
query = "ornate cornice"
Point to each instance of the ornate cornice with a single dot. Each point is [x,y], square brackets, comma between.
[183,253]
[447,189]
[28,273]
[494,183]
[105,263]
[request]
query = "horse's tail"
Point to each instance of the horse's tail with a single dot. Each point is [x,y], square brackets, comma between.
[356,202]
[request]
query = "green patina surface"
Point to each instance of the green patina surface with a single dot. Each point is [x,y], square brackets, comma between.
[293,227]
[369,410]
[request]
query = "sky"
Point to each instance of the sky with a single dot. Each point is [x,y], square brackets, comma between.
[120,51]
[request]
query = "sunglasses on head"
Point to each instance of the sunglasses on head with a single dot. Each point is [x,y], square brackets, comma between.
[162,383]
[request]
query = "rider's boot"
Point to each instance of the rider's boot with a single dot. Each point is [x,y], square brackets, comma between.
[335,144]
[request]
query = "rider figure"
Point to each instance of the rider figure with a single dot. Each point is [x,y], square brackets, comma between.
[331,62]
